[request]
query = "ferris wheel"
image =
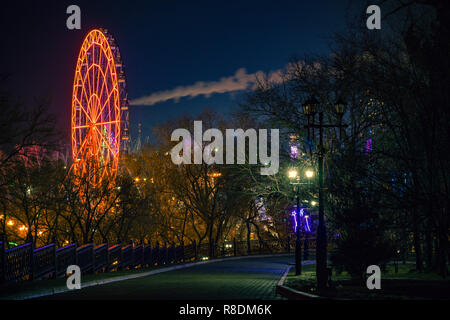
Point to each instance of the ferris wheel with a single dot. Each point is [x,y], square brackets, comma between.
[99,109]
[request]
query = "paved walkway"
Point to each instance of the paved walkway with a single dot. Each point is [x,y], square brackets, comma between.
[249,278]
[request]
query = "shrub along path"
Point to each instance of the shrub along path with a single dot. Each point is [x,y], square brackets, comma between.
[406,283]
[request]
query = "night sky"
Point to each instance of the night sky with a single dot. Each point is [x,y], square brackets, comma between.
[164,45]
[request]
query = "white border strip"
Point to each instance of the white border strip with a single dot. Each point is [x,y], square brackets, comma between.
[283,278]
[300,293]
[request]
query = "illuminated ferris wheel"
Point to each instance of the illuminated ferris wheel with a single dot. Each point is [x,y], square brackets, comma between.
[99,109]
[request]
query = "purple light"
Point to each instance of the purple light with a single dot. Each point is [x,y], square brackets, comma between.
[294,214]
[368,146]
[294,152]
[308,229]
[302,215]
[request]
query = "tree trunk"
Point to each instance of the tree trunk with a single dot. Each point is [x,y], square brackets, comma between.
[210,239]
[417,243]
[442,255]
[429,246]
[247,223]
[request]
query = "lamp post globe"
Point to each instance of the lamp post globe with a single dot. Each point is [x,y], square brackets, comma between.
[340,107]
[309,173]
[292,174]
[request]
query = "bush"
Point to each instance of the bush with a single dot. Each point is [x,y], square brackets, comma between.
[362,242]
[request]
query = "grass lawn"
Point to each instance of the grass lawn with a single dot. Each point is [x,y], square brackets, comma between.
[407,283]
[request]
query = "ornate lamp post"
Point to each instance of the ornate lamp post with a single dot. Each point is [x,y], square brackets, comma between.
[310,108]
[293,176]
[295,180]
[309,173]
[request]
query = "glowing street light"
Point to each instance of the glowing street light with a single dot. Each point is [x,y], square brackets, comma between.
[292,174]
[309,173]
[340,107]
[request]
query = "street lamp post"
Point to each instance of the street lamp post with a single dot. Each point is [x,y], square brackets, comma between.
[298,240]
[310,108]
[293,176]
[309,174]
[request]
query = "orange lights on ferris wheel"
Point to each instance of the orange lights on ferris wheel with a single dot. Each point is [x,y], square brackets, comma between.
[215,174]
[96,108]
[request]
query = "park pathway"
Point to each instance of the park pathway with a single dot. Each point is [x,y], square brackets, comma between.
[247,278]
